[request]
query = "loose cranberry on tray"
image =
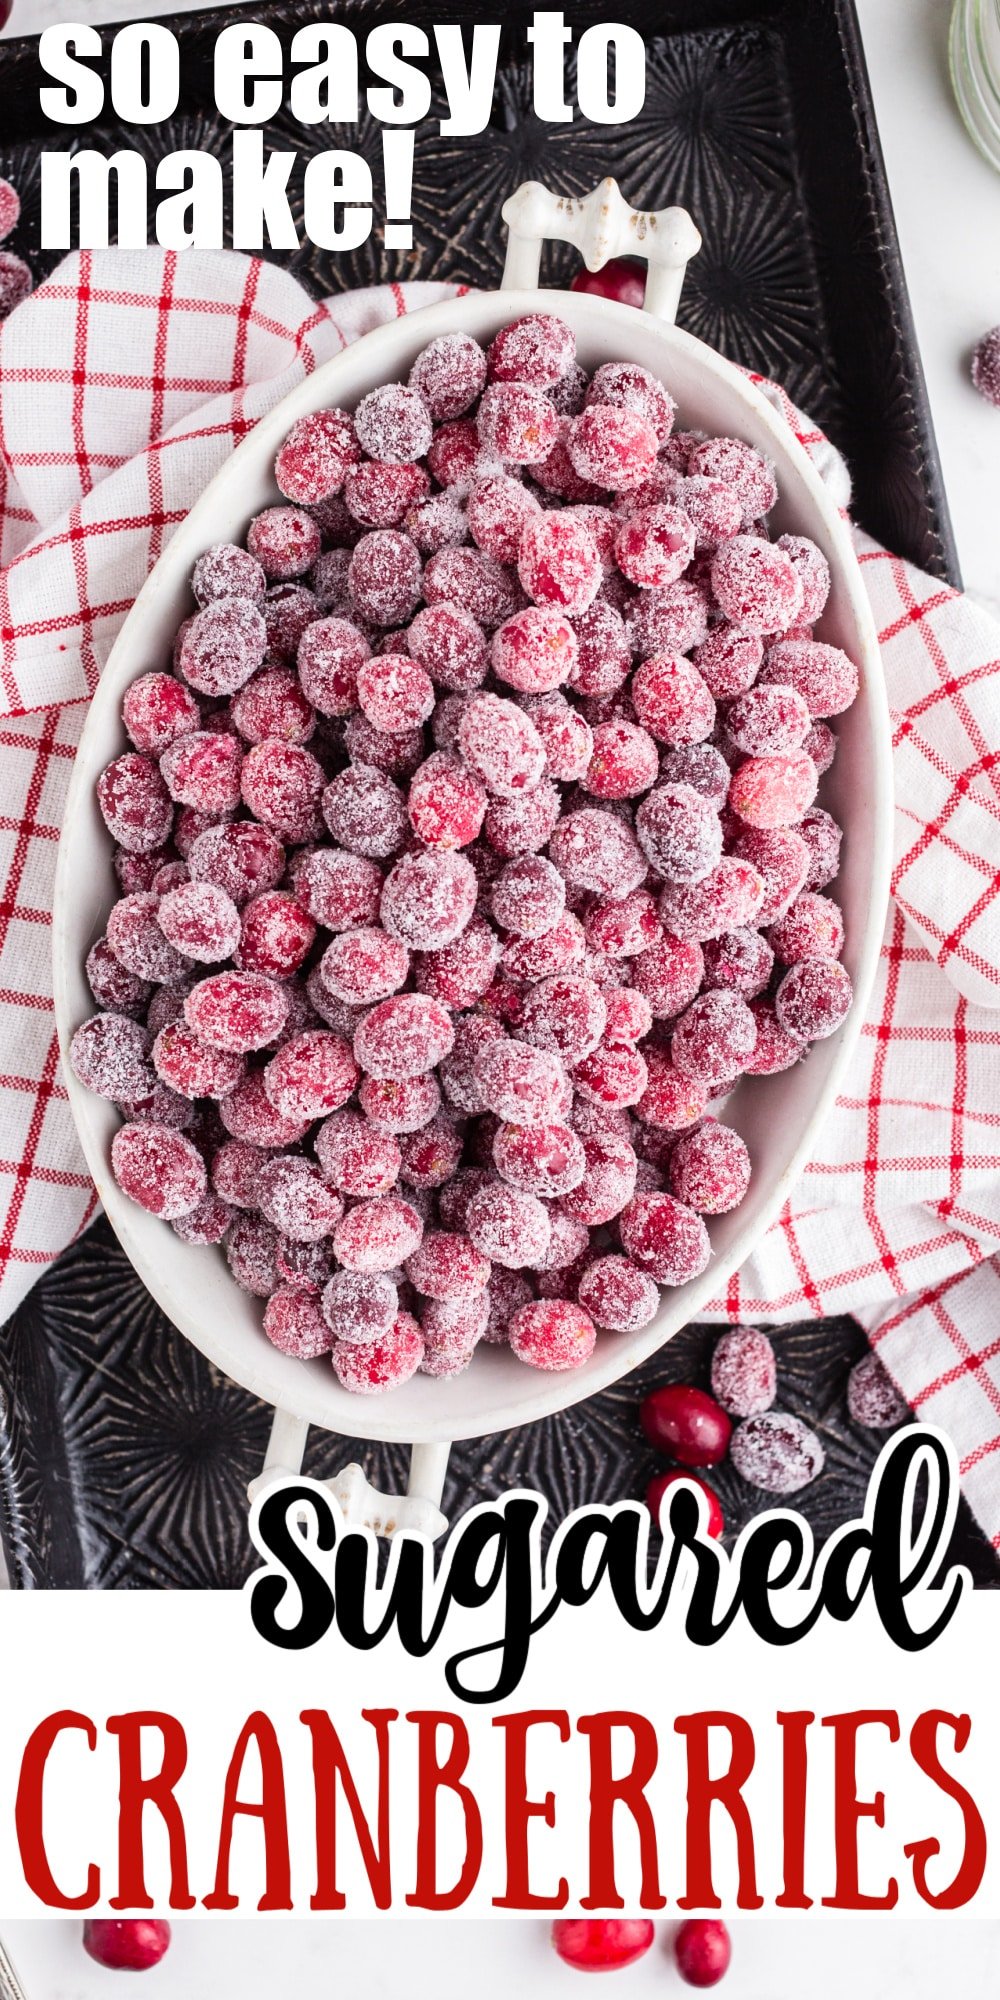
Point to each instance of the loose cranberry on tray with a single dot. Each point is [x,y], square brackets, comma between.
[470,854]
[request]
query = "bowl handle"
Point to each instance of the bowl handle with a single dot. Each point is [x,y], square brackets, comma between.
[602,225]
[361,1503]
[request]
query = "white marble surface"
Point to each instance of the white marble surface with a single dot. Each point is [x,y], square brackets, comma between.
[242,1960]
[947,203]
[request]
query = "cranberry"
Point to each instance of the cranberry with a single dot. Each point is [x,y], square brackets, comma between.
[702,1949]
[16,281]
[872,1396]
[986,366]
[10,200]
[126,1944]
[743,1372]
[618,1296]
[552,1334]
[813,999]
[393,424]
[382,1364]
[517,423]
[776,1452]
[686,1424]
[663,1483]
[449,375]
[601,1944]
[621,278]
[558,562]
[316,457]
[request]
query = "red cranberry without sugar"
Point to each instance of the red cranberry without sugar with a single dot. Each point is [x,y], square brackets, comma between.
[621,278]
[664,1481]
[686,1424]
[702,1950]
[126,1944]
[601,1944]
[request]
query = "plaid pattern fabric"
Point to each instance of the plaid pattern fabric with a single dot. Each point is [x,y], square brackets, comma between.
[124,383]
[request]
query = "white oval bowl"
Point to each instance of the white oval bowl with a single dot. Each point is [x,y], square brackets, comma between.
[777,1116]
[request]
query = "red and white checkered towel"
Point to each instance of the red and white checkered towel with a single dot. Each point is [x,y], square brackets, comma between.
[125,381]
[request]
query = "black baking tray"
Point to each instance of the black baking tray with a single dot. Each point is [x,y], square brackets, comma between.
[123,1456]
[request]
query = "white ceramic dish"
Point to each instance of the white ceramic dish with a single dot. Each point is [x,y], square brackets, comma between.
[777,1116]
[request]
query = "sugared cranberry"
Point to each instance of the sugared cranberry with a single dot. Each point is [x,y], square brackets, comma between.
[379,1365]
[744,1378]
[617,1295]
[316,456]
[872,1396]
[159,1169]
[449,375]
[553,1334]
[814,999]
[776,1452]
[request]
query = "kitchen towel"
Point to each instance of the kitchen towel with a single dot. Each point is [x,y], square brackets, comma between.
[125,382]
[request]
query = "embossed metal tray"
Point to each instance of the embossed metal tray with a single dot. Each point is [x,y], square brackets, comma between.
[123,1458]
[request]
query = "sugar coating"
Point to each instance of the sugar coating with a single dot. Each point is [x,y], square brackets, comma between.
[16,281]
[469,577]
[872,1396]
[617,1295]
[404,1037]
[739,465]
[240,1011]
[664,1238]
[313,1074]
[627,387]
[824,676]
[468,853]
[159,1169]
[273,703]
[756,584]
[776,1452]
[710,1168]
[191,1067]
[449,375]
[744,1374]
[365,812]
[552,1334]
[110,1054]
[558,562]
[545,1159]
[612,446]
[10,208]
[240,859]
[135,803]
[517,423]
[608,1180]
[377,1235]
[293,1195]
[276,934]
[428,899]
[814,999]
[523,1085]
[200,920]
[985,368]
